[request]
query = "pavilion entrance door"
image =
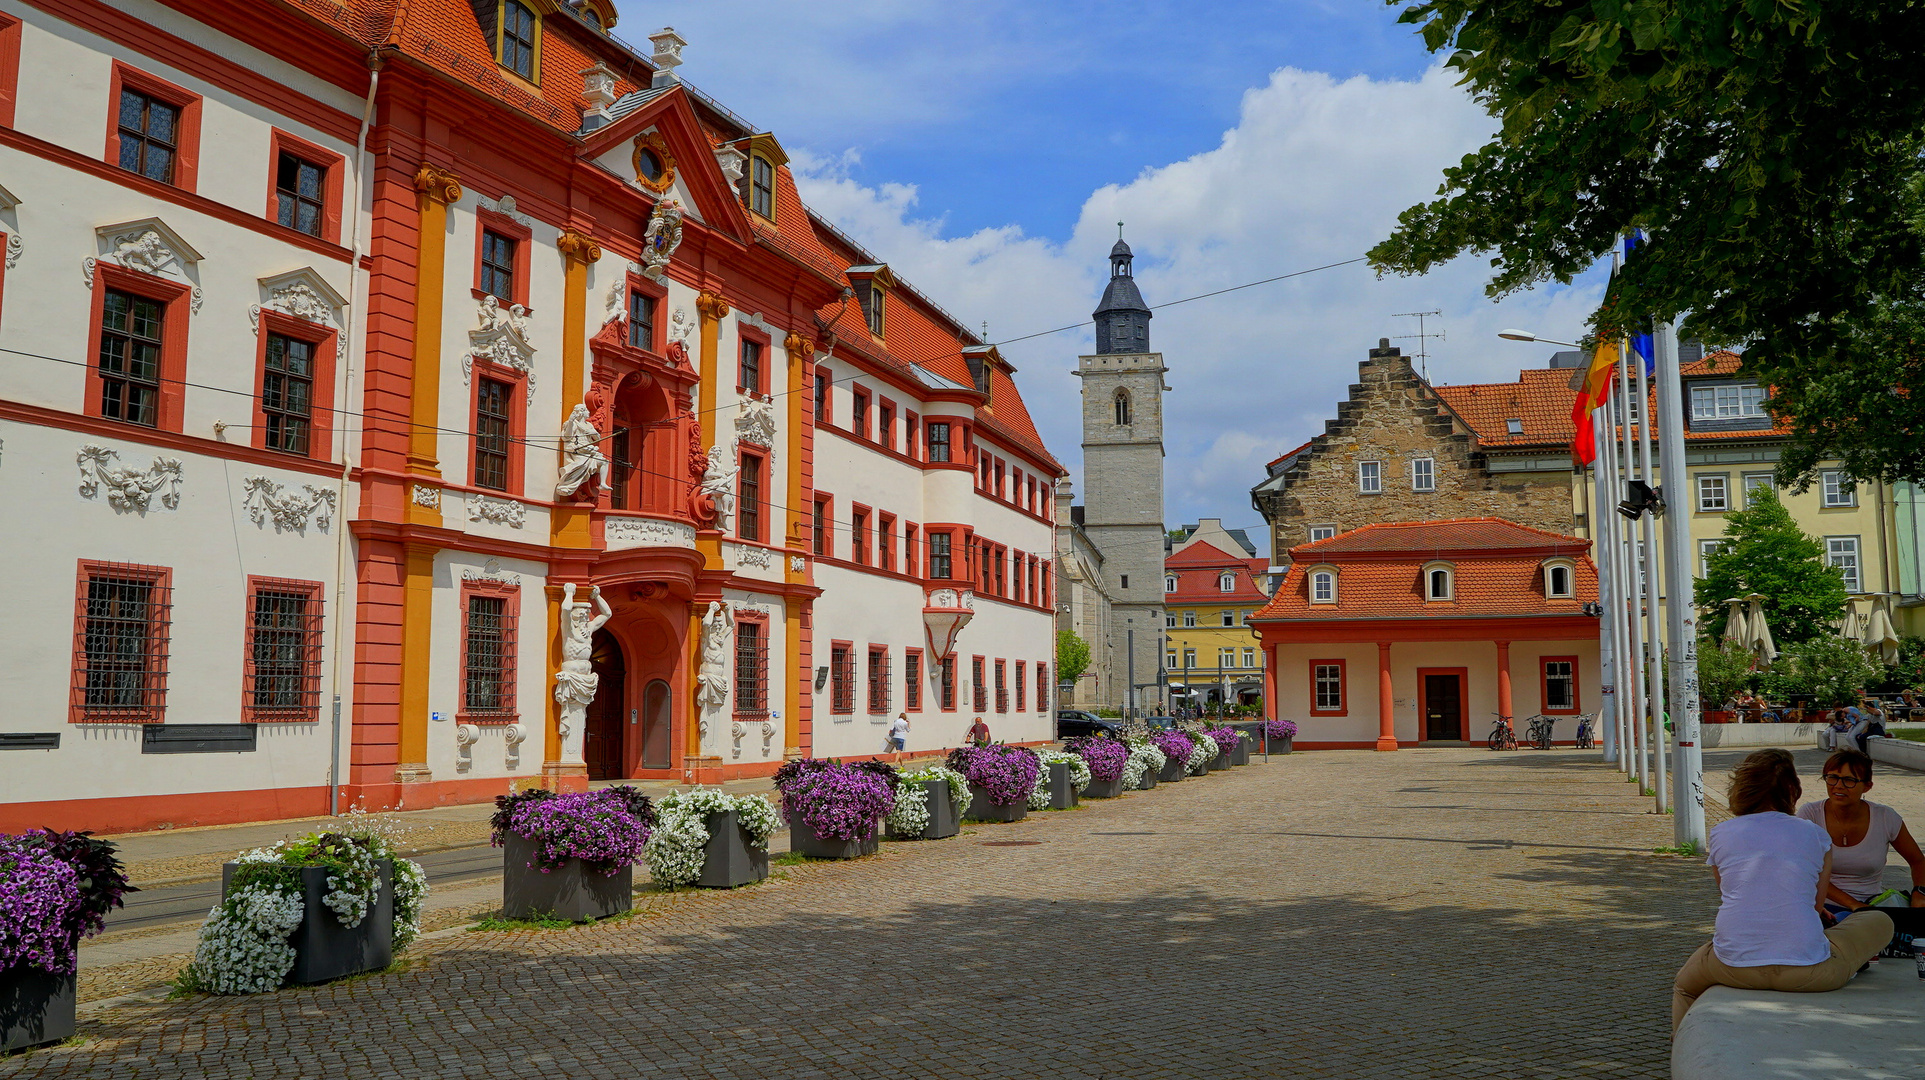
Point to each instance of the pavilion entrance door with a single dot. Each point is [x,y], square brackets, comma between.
[602,740]
[657,718]
[1443,708]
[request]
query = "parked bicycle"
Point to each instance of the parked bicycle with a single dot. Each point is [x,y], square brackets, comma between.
[1502,736]
[1585,739]
[1538,731]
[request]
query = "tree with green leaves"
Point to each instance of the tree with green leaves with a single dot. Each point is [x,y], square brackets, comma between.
[1765,552]
[1072,656]
[1724,671]
[1771,149]
[1834,671]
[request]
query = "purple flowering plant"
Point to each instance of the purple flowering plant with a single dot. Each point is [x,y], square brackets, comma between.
[837,801]
[604,829]
[1281,729]
[55,888]
[1006,774]
[1104,756]
[1176,745]
[1226,739]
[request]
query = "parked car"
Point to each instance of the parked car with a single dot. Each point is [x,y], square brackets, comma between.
[1073,722]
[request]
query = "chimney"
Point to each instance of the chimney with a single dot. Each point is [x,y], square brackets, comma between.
[1690,352]
[668,56]
[598,90]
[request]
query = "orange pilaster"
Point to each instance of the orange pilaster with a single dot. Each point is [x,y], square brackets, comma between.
[1504,679]
[1386,719]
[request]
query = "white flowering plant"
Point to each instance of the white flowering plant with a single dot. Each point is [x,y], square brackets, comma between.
[1144,757]
[675,851]
[1202,752]
[911,815]
[244,946]
[1079,775]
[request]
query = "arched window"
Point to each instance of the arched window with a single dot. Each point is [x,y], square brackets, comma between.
[1559,580]
[1169,583]
[518,38]
[1323,586]
[1438,581]
[1227,583]
[1122,407]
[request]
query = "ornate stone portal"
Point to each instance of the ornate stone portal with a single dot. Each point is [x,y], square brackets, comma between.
[575,683]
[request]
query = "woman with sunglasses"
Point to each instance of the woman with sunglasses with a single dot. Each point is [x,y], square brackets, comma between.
[1862,833]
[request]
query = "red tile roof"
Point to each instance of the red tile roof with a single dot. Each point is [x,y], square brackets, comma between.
[1199,567]
[1468,536]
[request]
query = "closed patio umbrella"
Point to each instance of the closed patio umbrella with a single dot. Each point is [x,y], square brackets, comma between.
[1737,628]
[1761,644]
[1881,638]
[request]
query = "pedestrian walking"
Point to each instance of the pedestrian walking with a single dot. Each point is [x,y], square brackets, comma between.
[899,733]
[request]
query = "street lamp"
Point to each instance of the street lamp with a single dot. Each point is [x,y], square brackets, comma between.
[1526,335]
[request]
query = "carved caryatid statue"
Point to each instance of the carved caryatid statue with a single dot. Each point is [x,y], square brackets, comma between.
[576,681]
[679,328]
[661,238]
[718,628]
[583,465]
[717,492]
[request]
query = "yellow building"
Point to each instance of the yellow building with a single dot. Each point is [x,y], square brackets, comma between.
[1211,587]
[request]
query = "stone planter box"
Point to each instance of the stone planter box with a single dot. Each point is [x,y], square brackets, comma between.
[1109,789]
[325,950]
[803,840]
[1062,793]
[1222,762]
[981,809]
[730,859]
[1172,771]
[1148,781]
[942,814]
[572,891]
[1241,755]
[36,1007]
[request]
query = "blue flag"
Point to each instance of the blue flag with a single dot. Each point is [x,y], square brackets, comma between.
[1640,343]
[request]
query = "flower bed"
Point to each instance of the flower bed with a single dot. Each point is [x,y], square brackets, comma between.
[1176,747]
[691,842]
[1043,795]
[1000,777]
[1284,731]
[271,893]
[1203,751]
[55,889]
[1228,741]
[834,803]
[1140,769]
[914,818]
[603,829]
[1106,758]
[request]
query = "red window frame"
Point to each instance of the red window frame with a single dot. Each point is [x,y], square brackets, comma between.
[487,221]
[152,707]
[324,339]
[10,72]
[309,708]
[979,685]
[280,142]
[860,416]
[912,676]
[859,534]
[948,442]
[911,435]
[1002,686]
[517,422]
[658,332]
[1022,685]
[949,555]
[751,697]
[1042,687]
[822,526]
[1544,685]
[842,677]
[946,683]
[824,396]
[1343,688]
[187,140]
[886,423]
[881,684]
[510,647]
[885,532]
[173,350]
[747,335]
[751,507]
[911,559]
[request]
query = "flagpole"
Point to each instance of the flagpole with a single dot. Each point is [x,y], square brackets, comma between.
[1601,514]
[1630,697]
[1634,587]
[1688,819]
[1648,525]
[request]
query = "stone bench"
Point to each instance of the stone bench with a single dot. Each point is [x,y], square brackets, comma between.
[1871,1029]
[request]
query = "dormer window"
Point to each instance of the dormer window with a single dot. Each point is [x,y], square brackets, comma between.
[1226,583]
[1323,585]
[1439,581]
[762,187]
[517,39]
[1560,580]
[872,307]
[1732,401]
[1169,583]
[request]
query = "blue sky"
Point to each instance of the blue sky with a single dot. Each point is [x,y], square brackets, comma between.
[987,149]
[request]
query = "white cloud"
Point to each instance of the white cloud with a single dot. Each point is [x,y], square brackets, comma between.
[1315,171]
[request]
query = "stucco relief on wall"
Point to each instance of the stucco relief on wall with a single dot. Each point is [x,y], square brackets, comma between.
[289,510]
[755,422]
[146,246]
[626,532]
[501,338]
[128,489]
[496,511]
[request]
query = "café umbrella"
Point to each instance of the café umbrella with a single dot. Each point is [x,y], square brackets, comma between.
[1760,634]
[1881,638]
[1737,628]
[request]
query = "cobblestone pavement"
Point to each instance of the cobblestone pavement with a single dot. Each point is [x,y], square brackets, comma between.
[1345,913]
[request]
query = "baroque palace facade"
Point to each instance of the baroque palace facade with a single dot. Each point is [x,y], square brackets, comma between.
[377,332]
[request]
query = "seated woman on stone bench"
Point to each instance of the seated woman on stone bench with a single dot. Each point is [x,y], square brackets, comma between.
[1862,833]
[1773,872]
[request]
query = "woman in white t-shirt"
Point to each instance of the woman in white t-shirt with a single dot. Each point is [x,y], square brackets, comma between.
[1862,834]
[1773,870]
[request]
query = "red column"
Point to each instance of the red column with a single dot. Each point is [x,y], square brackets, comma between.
[1270,683]
[1386,721]
[1504,679]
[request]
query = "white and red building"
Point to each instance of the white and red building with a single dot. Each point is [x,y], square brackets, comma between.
[290,353]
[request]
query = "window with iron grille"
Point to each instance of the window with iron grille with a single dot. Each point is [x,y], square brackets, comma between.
[938,435]
[1002,688]
[1042,687]
[939,563]
[748,503]
[981,685]
[287,393]
[492,434]
[878,680]
[946,685]
[911,679]
[518,39]
[300,191]
[1022,686]
[488,657]
[130,346]
[149,136]
[641,321]
[842,679]
[122,628]
[751,669]
[819,527]
[498,266]
[748,371]
[282,676]
[1560,685]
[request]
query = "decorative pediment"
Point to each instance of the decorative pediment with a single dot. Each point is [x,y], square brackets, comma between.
[506,207]
[666,126]
[301,294]
[147,246]
[502,338]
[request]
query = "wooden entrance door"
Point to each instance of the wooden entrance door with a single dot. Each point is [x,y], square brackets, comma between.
[657,720]
[602,741]
[1443,708]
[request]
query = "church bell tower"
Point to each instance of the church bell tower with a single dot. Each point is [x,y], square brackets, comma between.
[1123,478]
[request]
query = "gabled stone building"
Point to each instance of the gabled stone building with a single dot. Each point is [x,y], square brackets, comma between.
[1401,449]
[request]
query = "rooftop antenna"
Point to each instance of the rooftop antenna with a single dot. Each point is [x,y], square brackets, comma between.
[1423,354]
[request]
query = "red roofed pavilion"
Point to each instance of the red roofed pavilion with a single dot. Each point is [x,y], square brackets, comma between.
[1422,632]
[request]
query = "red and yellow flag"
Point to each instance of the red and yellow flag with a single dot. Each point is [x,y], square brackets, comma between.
[1592,392]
